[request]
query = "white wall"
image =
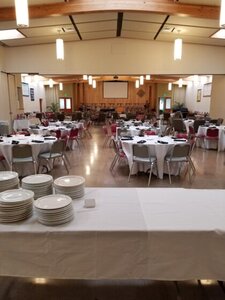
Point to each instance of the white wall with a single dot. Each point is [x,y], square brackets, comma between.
[191,97]
[217,109]
[116,56]
[39,92]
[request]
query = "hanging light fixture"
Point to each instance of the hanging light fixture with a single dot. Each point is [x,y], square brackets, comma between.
[90,80]
[137,84]
[22,15]
[180,82]
[50,82]
[222,13]
[148,77]
[141,80]
[59,48]
[169,86]
[94,84]
[61,86]
[85,77]
[178,49]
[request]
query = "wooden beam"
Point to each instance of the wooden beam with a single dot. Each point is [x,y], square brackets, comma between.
[168,7]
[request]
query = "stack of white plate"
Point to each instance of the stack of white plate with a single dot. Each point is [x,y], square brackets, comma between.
[54,209]
[70,185]
[16,205]
[40,184]
[8,180]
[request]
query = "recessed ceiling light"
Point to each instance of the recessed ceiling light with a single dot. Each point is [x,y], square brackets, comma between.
[10,34]
[220,34]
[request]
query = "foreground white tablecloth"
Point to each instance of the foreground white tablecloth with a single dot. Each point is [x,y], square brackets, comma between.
[166,234]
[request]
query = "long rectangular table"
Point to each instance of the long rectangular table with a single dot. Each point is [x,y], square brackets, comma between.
[132,233]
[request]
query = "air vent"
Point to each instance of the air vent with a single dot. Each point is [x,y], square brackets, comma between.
[168,29]
[68,29]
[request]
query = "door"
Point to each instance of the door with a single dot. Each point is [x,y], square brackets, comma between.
[165,104]
[65,104]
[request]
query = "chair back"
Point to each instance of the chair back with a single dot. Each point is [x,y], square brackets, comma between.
[73,132]
[181,150]
[212,132]
[198,123]
[219,121]
[58,147]
[22,151]
[141,151]
[58,133]
[150,132]
[4,129]
[178,125]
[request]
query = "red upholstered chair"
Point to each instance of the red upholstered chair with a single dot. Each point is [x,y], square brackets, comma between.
[180,135]
[150,132]
[119,154]
[58,134]
[73,136]
[212,134]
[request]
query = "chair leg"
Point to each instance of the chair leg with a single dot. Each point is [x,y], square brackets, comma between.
[113,162]
[64,162]
[35,167]
[150,174]
[168,166]
[130,172]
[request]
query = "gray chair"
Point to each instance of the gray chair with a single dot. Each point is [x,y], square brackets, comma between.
[180,154]
[141,154]
[4,129]
[23,154]
[56,152]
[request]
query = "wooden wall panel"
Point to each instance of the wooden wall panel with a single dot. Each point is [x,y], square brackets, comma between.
[136,97]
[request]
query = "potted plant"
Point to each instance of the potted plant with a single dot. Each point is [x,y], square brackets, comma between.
[53,107]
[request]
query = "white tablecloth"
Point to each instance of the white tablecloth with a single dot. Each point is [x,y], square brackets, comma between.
[6,145]
[156,149]
[21,124]
[165,234]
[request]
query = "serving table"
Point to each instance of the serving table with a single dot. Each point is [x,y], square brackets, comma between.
[132,233]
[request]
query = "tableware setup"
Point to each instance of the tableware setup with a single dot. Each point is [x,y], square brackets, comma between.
[40,184]
[16,205]
[54,210]
[70,185]
[8,180]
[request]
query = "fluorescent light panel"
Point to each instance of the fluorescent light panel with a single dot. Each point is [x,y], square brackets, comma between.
[22,15]
[222,13]
[10,34]
[59,49]
[177,49]
[220,34]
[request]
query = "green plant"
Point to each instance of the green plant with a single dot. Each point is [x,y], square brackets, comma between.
[54,107]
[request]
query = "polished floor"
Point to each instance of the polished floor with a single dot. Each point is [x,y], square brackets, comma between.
[92,161]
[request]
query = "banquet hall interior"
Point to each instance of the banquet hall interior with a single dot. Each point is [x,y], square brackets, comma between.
[106,80]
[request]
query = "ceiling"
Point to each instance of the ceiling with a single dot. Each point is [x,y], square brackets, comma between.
[81,20]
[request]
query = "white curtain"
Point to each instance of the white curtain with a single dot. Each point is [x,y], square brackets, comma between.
[51,94]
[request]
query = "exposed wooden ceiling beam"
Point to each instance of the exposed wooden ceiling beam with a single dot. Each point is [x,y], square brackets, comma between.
[86,6]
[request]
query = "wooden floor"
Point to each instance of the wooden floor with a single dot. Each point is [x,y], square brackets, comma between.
[93,161]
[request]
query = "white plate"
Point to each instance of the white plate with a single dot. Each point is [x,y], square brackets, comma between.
[38,179]
[8,175]
[52,201]
[56,222]
[69,181]
[15,196]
